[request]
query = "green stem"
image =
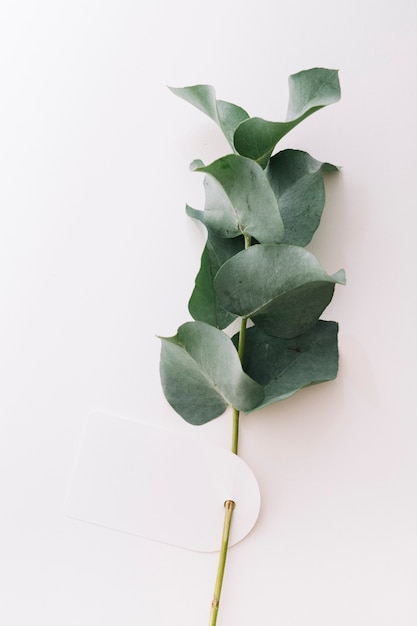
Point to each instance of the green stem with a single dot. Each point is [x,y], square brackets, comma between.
[240,350]
[235,430]
[229,506]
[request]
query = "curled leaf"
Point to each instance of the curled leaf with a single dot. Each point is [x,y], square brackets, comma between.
[309,91]
[228,116]
[201,374]
[239,200]
[297,181]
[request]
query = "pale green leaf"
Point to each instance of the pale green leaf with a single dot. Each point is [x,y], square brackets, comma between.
[201,374]
[309,91]
[239,200]
[228,116]
[281,288]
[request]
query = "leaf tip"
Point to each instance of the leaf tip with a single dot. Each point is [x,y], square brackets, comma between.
[330,167]
[174,90]
[196,165]
[340,277]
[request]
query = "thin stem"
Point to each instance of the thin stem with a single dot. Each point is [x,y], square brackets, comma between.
[229,506]
[235,430]
[247,240]
[242,338]
[240,350]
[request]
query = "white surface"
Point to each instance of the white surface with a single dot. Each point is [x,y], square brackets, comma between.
[98,257]
[159,484]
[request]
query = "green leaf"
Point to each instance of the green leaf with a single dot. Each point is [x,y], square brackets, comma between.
[218,215]
[312,89]
[283,366]
[297,181]
[239,200]
[203,304]
[309,91]
[201,374]
[228,116]
[282,288]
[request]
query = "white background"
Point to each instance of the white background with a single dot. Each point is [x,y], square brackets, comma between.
[98,257]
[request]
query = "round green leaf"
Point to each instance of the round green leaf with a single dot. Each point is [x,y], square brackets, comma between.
[201,374]
[227,115]
[282,288]
[239,200]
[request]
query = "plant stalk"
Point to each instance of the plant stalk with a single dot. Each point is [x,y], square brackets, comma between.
[240,351]
[229,506]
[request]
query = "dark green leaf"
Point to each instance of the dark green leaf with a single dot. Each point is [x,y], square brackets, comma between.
[283,366]
[227,115]
[203,304]
[201,374]
[297,181]
[282,288]
[239,200]
[309,91]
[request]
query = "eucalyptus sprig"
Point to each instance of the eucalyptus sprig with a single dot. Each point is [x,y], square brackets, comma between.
[261,209]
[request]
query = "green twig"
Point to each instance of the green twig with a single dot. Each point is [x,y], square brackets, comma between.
[229,506]
[240,350]
[235,431]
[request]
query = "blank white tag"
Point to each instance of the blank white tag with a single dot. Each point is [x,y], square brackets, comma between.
[158,484]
